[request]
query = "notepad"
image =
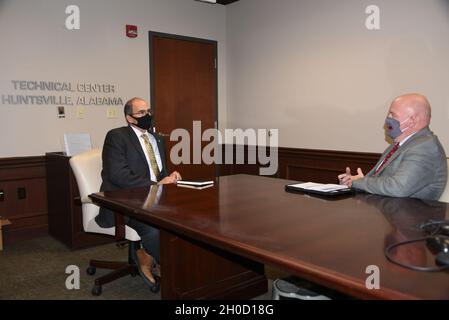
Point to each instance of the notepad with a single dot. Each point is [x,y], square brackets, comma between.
[195,187]
[319,188]
[195,183]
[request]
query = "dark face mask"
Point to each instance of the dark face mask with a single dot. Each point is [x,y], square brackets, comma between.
[144,122]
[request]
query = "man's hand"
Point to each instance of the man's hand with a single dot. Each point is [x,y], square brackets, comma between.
[176,175]
[347,179]
[172,178]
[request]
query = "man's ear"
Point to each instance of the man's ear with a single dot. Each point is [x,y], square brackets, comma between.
[413,121]
[130,119]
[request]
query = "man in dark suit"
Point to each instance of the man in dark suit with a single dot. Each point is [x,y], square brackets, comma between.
[414,165]
[135,157]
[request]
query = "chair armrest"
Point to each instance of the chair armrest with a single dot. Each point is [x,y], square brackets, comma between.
[77,201]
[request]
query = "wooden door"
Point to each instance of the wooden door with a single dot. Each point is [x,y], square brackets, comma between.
[183,75]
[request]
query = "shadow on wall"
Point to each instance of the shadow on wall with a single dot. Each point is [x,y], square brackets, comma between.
[417,64]
[446,3]
[414,63]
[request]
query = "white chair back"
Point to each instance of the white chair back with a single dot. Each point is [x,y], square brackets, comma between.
[87,167]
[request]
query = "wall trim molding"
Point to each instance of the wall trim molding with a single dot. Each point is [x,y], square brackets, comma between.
[21,161]
[293,164]
[303,164]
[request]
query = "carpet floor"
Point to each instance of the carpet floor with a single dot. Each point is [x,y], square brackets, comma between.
[36,269]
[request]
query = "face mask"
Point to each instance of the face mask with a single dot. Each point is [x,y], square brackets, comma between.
[144,122]
[393,127]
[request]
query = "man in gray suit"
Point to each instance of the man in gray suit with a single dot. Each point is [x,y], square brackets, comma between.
[414,165]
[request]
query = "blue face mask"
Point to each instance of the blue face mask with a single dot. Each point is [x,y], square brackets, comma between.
[393,127]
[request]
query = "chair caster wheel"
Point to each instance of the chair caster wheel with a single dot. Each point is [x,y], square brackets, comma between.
[91,270]
[96,290]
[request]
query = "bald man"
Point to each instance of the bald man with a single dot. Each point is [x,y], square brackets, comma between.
[414,165]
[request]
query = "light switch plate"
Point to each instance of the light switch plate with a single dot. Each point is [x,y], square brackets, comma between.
[111,113]
[80,112]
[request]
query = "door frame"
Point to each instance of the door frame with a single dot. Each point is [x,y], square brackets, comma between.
[151,34]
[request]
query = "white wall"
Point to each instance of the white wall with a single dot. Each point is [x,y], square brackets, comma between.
[312,69]
[35,45]
[307,67]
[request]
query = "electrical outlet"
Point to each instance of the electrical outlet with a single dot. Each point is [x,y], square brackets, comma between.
[80,112]
[111,113]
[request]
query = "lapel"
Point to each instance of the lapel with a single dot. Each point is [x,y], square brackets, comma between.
[402,148]
[393,156]
[136,143]
[373,170]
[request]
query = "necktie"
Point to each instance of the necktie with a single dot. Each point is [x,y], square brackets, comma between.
[151,156]
[393,150]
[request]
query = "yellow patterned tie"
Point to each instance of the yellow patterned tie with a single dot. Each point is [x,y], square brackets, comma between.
[151,156]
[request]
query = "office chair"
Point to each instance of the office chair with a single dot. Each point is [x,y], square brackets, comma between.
[445,196]
[87,167]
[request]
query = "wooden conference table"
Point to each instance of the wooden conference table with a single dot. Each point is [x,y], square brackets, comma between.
[215,241]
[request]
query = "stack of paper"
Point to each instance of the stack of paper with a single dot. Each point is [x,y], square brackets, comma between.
[195,184]
[320,186]
[75,143]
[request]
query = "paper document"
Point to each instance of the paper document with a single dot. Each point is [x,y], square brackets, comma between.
[194,187]
[77,143]
[320,186]
[195,183]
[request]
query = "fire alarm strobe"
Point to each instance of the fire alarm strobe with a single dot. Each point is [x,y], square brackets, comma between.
[131,31]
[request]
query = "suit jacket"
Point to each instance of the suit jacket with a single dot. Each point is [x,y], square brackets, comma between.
[125,166]
[418,169]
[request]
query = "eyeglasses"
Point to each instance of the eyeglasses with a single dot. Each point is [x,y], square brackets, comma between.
[142,113]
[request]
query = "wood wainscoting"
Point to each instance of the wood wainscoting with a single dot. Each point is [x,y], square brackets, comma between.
[23,180]
[301,164]
[24,198]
